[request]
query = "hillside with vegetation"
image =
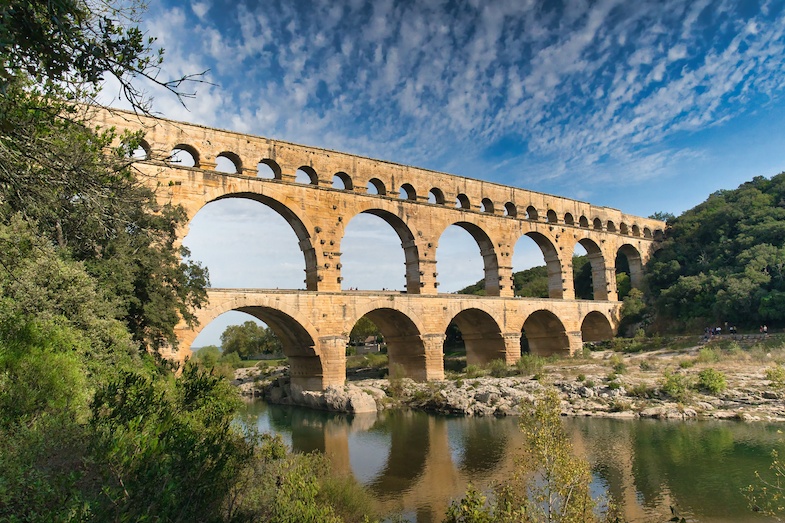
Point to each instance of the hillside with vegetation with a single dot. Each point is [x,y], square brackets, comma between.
[533,282]
[724,261]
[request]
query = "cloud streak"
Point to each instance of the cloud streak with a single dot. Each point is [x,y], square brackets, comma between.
[585,88]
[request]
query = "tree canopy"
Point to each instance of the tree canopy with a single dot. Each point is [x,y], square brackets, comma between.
[249,339]
[724,260]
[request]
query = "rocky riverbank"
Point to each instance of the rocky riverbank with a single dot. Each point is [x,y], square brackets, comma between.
[604,384]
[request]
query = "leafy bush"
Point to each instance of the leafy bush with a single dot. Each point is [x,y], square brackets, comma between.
[473,371]
[677,386]
[617,364]
[619,405]
[641,390]
[708,355]
[498,369]
[550,484]
[686,364]
[712,380]
[776,375]
[395,380]
[581,377]
[646,366]
[530,364]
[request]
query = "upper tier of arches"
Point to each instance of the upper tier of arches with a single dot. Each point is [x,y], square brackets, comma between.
[248,156]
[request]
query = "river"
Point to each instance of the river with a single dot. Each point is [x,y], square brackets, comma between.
[415,464]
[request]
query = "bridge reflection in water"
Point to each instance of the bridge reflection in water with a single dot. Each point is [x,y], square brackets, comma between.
[416,464]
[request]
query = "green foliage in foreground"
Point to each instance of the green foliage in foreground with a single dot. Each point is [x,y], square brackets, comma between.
[550,483]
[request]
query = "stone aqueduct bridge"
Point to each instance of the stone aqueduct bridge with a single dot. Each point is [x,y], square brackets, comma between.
[313,324]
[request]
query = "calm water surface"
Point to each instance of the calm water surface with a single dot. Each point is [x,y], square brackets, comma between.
[415,464]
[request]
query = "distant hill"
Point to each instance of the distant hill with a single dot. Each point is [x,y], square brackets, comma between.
[533,283]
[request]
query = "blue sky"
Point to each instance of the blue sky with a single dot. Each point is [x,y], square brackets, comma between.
[642,106]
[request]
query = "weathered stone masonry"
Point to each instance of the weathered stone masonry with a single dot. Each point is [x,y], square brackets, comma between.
[314,323]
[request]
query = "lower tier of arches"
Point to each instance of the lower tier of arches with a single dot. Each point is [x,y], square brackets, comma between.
[314,327]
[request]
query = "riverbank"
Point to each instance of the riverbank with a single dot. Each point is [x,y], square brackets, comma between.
[722,380]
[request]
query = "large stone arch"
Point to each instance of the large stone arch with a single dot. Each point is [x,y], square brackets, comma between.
[296,222]
[405,344]
[408,244]
[599,270]
[300,340]
[490,260]
[481,335]
[545,334]
[635,262]
[596,327]
[552,262]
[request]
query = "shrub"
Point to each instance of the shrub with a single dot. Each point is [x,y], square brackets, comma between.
[617,364]
[530,364]
[395,379]
[712,381]
[619,405]
[686,364]
[677,386]
[646,366]
[498,368]
[581,377]
[588,384]
[641,390]
[473,371]
[708,355]
[776,375]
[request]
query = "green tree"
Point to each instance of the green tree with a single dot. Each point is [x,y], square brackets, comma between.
[550,484]
[54,169]
[362,329]
[249,339]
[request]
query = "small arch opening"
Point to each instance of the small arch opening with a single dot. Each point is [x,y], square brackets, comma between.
[531,213]
[597,224]
[407,192]
[486,205]
[510,210]
[306,175]
[436,196]
[462,202]
[268,169]
[583,222]
[376,187]
[611,226]
[623,229]
[646,232]
[342,181]
[552,218]
[636,231]
[228,163]
[568,219]
[184,156]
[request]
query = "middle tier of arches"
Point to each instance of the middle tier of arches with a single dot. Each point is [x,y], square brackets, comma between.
[319,219]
